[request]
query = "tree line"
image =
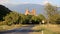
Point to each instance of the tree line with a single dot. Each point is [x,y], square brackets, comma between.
[8,17]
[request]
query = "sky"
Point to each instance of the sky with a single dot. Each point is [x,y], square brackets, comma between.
[42,2]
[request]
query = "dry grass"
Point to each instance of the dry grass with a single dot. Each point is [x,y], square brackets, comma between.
[51,28]
[54,28]
[35,33]
[6,27]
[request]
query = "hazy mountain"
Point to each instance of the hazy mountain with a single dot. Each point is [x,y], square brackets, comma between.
[22,7]
[58,8]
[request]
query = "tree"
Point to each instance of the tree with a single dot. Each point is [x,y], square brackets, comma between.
[25,19]
[22,18]
[28,19]
[11,18]
[35,20]
[42,17]
[51,12]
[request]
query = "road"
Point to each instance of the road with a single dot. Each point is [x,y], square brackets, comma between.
[22,30]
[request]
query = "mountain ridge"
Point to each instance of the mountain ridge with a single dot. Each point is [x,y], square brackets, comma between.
[22,7]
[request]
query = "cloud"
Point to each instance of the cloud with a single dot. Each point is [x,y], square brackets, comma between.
[45,2]
[25,3]
[3,1]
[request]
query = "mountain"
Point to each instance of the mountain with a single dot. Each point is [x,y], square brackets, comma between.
[3,11]
[22,7]
[58,8]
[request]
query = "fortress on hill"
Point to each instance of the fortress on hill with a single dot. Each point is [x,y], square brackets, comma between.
[33,12]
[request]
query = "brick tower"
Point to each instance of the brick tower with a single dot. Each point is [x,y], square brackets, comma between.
[27,12]
[33,12]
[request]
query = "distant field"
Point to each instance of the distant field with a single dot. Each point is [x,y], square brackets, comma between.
[48,29]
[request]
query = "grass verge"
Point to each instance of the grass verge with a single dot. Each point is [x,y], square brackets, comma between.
[48,29]
[6,27]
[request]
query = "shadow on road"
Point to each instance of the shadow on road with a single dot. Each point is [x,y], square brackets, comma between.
[23,29]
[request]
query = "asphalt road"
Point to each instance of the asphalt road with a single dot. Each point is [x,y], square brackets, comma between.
[22,30]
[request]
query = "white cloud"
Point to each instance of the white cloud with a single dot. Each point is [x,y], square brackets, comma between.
[45,2]
[25,3]
[3,1]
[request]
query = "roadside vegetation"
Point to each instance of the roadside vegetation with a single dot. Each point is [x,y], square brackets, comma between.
[52,25]
[48,28]
[6,27]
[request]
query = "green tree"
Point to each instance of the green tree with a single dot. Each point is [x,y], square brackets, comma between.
[28,19]
[35,20]
[11,18]
[42,17]
[24,19]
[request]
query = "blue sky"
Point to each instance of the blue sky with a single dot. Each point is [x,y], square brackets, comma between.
[54,2]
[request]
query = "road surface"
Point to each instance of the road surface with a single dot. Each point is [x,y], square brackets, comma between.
[23,30]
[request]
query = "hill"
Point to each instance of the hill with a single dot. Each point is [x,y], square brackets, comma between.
[3,11]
